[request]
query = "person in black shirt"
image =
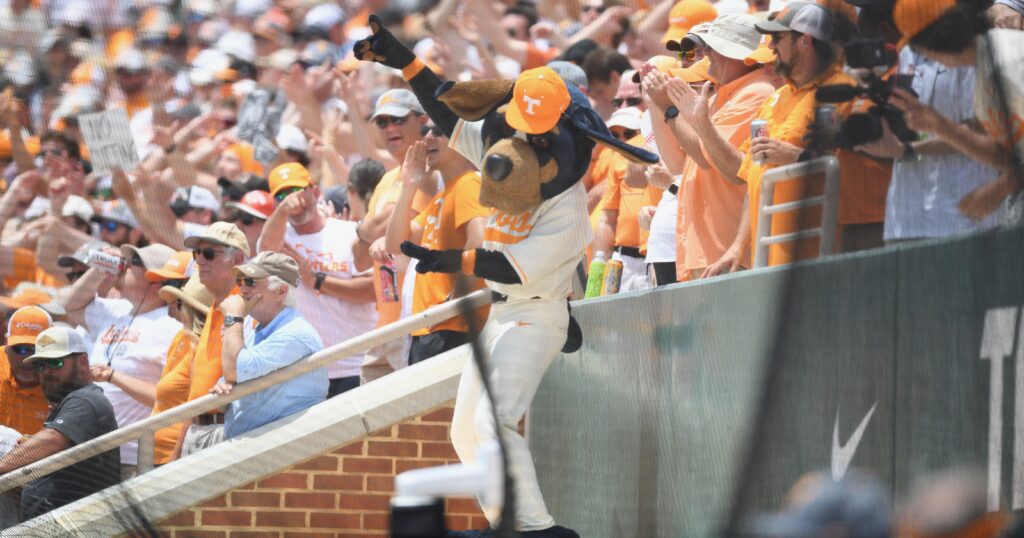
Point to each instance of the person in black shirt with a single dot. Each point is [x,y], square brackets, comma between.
[79,412]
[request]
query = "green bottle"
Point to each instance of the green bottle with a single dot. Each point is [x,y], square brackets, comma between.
[595,276]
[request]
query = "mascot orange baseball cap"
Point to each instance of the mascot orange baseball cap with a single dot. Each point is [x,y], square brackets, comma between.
[288,175]
[913,16]
[538,100]
[25,325]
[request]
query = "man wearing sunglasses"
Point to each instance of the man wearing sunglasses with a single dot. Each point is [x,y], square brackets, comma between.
[332,295]
[250,213]
[131,333]
[22,404]
[80,413]
[118,225]
[279,337]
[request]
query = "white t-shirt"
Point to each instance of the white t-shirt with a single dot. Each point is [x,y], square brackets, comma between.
[661,243]
[544,246]
[135,347]
[335,320]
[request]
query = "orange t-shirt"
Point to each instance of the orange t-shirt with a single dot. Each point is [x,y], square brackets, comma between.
[173,390]
[710,206]
[444,227]
[625,199]
[23,409]
[788,112]
[389,307]
[26,270]
[206,363]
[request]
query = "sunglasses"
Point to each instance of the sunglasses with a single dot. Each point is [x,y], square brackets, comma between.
[175,283]
[23,349]
[245,218]
[109,225]
[626,134]
[207,253]
[56,152]
[383,121]
[688,54]
[74,275]
[246,281]
[283,193]
[53,364]
[433,129]
[629,101]
[599,9]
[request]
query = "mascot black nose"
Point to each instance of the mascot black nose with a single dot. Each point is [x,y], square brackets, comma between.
[498,167]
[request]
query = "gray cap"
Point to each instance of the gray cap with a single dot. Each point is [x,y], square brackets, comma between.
[397,103]
[153,256]
[267,264]
[570,72]
[803,17]
[117,211]
[57,342]
[81,256]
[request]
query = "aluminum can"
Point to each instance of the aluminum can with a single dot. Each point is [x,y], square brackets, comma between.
[106,262]
[758,129]
[389,283]
[825,117]
[612,277]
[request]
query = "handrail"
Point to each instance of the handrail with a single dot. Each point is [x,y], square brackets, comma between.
[829,201]
[144,429]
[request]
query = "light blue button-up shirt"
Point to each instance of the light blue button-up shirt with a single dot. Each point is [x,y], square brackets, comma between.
[283,341]
[924,193]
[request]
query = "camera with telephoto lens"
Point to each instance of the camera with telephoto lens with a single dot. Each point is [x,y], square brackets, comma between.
[869,55]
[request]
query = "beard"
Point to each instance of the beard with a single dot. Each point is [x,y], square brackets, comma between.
[782,68]
[56,392]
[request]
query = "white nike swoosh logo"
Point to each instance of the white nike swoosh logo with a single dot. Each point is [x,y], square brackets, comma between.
[843,455]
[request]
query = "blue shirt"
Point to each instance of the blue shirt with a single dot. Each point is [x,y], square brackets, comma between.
[283,341]
[924,193]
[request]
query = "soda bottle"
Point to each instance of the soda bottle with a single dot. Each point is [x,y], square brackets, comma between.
[612,277]
[595,277]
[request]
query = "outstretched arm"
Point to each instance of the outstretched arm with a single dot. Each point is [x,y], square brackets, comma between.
[486,264]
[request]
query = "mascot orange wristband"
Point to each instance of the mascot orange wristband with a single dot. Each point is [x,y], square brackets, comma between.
[412,69]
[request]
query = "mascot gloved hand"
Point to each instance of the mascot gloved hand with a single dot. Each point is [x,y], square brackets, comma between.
[532,140]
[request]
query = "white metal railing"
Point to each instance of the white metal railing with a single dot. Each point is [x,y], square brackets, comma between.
[144,430]
[829,202]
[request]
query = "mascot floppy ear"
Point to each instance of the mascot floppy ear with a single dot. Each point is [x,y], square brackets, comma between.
[588,122]
[473,100]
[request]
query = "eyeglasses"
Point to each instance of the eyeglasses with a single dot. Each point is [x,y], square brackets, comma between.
[53,364]
[599,9]
[23,349]
[109,225]
[137,262]
[383,121]
[56,152]
[246,281]
[629,101]
[245,218]
[74,275]
[283,193]
[433,129]
[207,253]
[688,54]
[626,134]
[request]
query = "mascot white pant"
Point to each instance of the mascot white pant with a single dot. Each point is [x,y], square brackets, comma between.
[521,339]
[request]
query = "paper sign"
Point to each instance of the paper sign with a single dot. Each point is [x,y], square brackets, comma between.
[109,140]
[259,120]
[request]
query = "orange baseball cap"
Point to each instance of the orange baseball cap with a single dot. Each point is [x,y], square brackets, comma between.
[686,15]
[177,267]
[662,62]
[538,99]
[763,54]
[288,175]
[697,72]
[26,297]
[246,155]
[25,325]
[913,16]
[257,203]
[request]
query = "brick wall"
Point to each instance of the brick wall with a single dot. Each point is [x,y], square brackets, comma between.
[339,494]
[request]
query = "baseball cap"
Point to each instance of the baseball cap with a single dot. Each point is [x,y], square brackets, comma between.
[732,36]
[256,203]
[318,52]
[697,72]
[153,256]
[119,212]
[628,118]
[570,73]
[338,197]
[194,197]
[288,175]
[686,14]
[25,325]
[234,190]
[802,17]
[290,137]
[193,293]
[763,54]
[223,233]
[131,59]
[177,267]
[282,59]
[269,263]
[81,255]
[239,44]
[913,16]
[538,99]
[247,156]
[324,16]
[396,103]
[661,62]
[250,9]
[26,295]
[82,98]
[57,342]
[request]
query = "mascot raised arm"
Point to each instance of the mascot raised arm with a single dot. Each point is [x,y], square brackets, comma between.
[531,139]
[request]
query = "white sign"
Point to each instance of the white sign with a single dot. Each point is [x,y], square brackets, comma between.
[109,140]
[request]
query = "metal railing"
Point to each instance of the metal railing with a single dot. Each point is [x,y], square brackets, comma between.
[144,430]
[829,201]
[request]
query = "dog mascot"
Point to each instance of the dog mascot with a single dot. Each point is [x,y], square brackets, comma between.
[532,140]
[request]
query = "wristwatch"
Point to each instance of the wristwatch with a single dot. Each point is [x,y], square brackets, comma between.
[231,320]
[670,113]
[674,189]
[320,277]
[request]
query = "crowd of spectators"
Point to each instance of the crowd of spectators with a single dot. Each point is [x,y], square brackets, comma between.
[276,176]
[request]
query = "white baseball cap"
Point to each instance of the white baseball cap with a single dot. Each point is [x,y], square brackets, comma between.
[732,35]
[76,206]
[241,45]
[196,197]
[251,9]
[291,137]
[627,118]
[324,16]
[397,103]
[57,342]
